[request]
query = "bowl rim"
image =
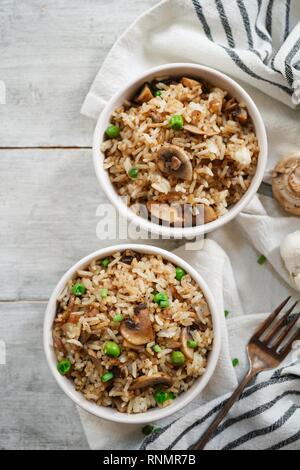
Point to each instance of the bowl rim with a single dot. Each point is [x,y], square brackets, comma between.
[115,199]
[108,413]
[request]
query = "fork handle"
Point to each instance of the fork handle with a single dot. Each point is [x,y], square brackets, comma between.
[199,445]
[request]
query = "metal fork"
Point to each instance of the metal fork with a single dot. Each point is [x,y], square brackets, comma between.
[266,350]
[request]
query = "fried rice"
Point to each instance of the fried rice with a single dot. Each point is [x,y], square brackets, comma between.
[217,138]
[152,312]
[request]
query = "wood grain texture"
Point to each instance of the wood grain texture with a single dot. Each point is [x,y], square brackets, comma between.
[34,412]
[50,53]
[48,220]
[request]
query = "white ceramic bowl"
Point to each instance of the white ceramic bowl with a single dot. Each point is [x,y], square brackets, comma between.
[127,92]
[110,413]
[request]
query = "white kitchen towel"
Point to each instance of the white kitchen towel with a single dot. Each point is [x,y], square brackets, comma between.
[265,37]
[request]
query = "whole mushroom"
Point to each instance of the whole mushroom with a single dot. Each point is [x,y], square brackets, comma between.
[290,253]
[286,183]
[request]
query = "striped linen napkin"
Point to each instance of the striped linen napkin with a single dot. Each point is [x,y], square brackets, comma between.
[258,43]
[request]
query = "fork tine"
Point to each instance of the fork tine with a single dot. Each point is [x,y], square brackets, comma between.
[279,324]
[271,318]
[285,332]
[287,348]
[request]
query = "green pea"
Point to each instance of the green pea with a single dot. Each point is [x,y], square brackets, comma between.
[160,396]
[105,262]
[176,122]
[112,349]
[160,297]
[156,348]
[133,172]
[149,429]
[63,366]
[103,293]
[262,259]
[235,362]
[107,376]
[118,317]
[192,344]
[177,358]
[157,93]
[164,304]
[180,273]
[113,131]
[226,313]
[78,289]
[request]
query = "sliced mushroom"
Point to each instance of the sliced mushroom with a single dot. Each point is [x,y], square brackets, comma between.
[179,215]
[138,330]
[128,345]
[230,104]
[209,214]
[286,183]
[128,256]
[185,336]
[215,106]
[151,381]
[173,160]
[241,115]
[189,82]
[195,130]
[145,95]
[165,212]
[119,404]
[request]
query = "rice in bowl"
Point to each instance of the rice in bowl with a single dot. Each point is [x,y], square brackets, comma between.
[181,142]
[132,332]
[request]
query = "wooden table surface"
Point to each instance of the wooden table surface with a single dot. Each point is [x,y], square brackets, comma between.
[50,53]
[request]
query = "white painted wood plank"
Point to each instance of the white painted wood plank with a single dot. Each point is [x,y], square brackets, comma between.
[48,204]
[50,53]
[34,412]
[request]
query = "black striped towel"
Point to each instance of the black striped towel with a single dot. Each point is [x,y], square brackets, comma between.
[261,38]
[256,41]
[267,417]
